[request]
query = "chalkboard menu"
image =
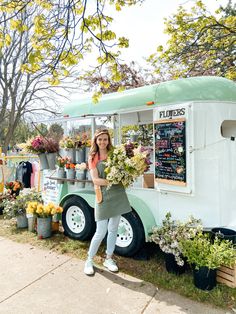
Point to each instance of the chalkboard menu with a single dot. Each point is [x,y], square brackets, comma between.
[170,151]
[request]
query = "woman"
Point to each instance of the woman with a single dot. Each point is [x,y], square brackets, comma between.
[114,203]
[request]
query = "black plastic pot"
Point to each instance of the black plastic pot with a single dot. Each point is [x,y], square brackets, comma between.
[172,266]
[224,233]
[204,278]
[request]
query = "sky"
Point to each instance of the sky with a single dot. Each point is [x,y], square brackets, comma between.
[144,24]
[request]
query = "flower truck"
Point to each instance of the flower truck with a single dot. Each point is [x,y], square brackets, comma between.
[193,171]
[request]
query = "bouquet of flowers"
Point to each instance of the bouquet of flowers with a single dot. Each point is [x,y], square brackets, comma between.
[43,211]
[67,142]
[62,161]
[81,167]
[125,163]
[70,166]
[86,141]
[36,145]
[51,145]
[14,186]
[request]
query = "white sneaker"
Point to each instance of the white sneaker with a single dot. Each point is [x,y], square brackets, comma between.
[88,267]
[111,265]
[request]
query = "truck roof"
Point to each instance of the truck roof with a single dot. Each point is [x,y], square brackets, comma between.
[204,88]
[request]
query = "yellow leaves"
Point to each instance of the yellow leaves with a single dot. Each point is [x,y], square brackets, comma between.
[14,24]
[106,35]
[7,40]
[35,57]
[118,6]
[79,8]
[17,25]
[30,68]
[66,73]
[123,42]
[121,89]
[44,4]
[69,59]
[200,5]
[54,81]
[96,97]
[105,85]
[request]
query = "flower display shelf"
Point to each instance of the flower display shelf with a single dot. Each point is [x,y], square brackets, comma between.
[227,276]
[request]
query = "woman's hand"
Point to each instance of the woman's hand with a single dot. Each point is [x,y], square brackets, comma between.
[96,179]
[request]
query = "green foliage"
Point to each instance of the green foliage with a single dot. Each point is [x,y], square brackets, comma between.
[201,250]
[199,43]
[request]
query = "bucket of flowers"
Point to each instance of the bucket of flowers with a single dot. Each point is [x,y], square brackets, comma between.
[86,142]
[70,172]
[80,174]
[52,149]
[125,163]
[79,149]
[36,145]
[67,148]
[44,214]
[61,163]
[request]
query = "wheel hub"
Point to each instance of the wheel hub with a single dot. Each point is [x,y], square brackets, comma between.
[125,233]
[75,219]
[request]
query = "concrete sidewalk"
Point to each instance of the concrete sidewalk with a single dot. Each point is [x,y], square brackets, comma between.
[38,281]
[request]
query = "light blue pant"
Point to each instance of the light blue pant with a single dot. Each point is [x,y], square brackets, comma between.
[110,225]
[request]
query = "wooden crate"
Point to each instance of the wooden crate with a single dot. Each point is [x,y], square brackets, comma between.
[227,276]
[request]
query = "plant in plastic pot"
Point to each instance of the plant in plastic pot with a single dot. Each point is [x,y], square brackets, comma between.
[168,237]
[206,256]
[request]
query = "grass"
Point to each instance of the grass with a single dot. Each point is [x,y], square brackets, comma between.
[151,270]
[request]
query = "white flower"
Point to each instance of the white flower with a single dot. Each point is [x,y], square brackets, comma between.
[81,166]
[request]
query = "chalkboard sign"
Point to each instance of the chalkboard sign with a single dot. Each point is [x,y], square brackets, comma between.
[170,151]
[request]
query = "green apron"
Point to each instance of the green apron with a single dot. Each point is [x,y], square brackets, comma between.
[114,200]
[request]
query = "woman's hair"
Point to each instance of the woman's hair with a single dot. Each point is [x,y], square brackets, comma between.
[94,147]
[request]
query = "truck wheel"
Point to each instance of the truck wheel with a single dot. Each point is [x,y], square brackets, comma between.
[130,237]
[78,219]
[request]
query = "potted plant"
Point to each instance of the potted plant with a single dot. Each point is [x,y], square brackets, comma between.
[206,255]
[168,237]
[44,215]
